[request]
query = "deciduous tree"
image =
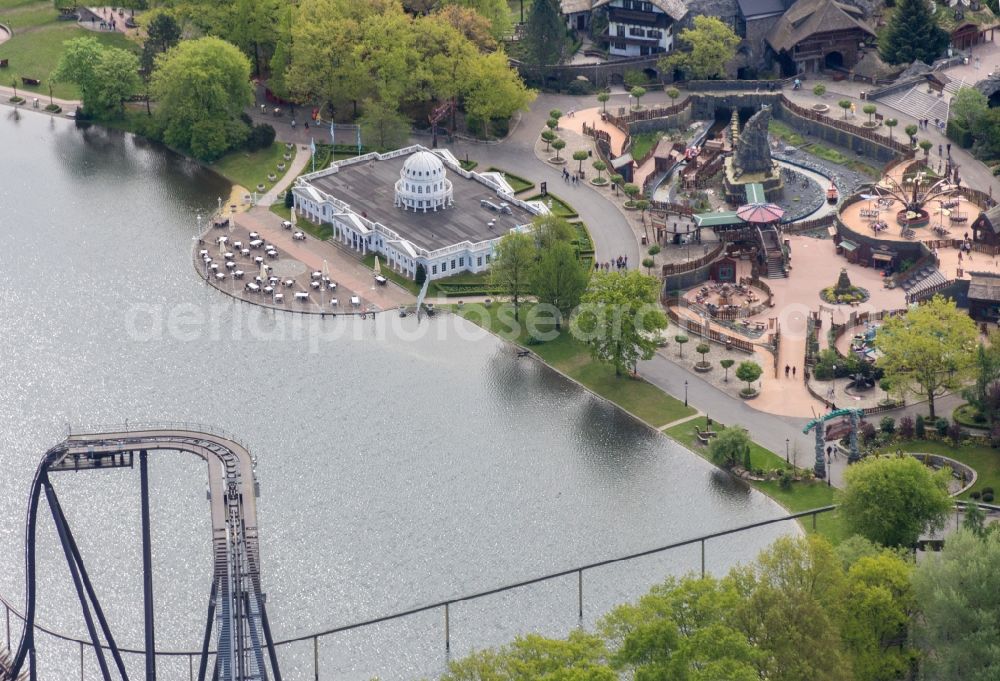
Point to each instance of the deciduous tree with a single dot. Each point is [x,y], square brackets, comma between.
[382,126]
[579,657]
[106,76]
[513,265]
[495,90]
[559,278]
[730,447]
[748,372]
[705,49]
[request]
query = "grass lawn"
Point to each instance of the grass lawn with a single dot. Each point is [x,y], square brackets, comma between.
[247,169]
[388,273]
[785,133]
[983,459]
[801,497]
[643,143]
[572,357]
[517,183]
[558,206]
[280,210]
[35,54]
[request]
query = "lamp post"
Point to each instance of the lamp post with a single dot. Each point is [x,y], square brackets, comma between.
[786,451]
[685,393]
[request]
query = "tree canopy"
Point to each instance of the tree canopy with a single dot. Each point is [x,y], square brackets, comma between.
[730,448]
[106,76]
[544,33]
[513,266]
[912,34]
[891,500]
[201,87]
[928,350]
[559,278]
[619,318]
[705,49]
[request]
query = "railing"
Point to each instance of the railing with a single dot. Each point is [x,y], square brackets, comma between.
[863,133]
[703,330]
[680,268]
[809,225]
[671,207]
[742,85]
[929,292]
[443,605]
[622,122]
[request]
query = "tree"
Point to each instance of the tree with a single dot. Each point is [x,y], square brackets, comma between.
[911,131]
[495,91]
[620,318]
[642,205]
[958,595]
[555,113]
[986,132]
[926,145]
[202,86]
[617,180]
[673,93]
[559,278]
[496,12]
[580,657]
[730,448]
[544,34]
[253,27]
[928,350]
[552,124]
[558,145]
[912,34]
[725,364]
[106,76]
[891,500]
[968,106]
[707,48]
[548,137]
[603,98]
[600,166]
[974,520]
[513,266]
[869,109]
[383,127]
[986,369]
[549,229]
[162,33]
[819,90]
[649,264]
[891,123]
[748,372]
[631,191]
[703,349]
[845,104]
[475,27]
[680,339]
[638,92]
[580,156]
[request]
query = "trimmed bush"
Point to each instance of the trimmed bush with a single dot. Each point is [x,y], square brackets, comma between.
[959,134]
[887,425]
[976,495]
[906,427]
[987,490]
[987,497]
[941,426]
[920,428]
[260,137]
[955,434]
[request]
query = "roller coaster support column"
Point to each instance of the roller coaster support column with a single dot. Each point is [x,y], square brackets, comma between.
[147,569]
[203,665]
[820,467]
[855,454]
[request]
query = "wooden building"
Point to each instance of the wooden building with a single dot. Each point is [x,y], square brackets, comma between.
[984,298]
[815,35]
[986,228]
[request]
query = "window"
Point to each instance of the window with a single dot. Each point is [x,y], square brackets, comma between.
[620,31]
[619,45]
[461,262]
[487,259]
[434,269]
[444,266]
[479,261]
[420,190]
[453,263]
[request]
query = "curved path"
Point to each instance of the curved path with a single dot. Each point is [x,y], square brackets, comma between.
[243,630]
[5,34]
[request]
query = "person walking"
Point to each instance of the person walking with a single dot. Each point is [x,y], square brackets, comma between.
[787,369]
[793,372]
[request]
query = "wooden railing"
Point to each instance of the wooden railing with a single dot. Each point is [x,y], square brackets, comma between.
[704,330]
[864,133]
[622,122]
[680,268]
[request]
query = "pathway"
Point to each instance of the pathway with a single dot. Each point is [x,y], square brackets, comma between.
[299,163]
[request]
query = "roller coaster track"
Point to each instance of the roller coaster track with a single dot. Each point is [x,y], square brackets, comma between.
[237,602]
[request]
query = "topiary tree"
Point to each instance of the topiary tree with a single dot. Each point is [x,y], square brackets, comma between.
[289,199]
[725,364]
[548,137]
[420,276]
[552,124]
[654,249]
[603,98]
[600,166]
[748,371]
[730,448]
[642,205]
[558,145]
[920,428]
[631,191]
[555,113]
[890,123]
[869,109]
[702,349]
[638,92]
[649,264]
[680,339]
[819,90]
[926,145]
[911,130]
[673,93]
[845,104]
[580,156]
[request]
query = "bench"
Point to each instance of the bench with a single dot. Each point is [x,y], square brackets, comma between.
[3,63]
[704,435]
[30,81]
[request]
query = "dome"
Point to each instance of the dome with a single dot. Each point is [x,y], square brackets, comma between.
[423,183]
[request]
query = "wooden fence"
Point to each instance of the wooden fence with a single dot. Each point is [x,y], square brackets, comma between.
[705,331]
[622,122]
[864,133]
[680,268]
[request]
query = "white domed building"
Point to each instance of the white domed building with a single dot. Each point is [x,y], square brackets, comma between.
[417,209]
[423,184]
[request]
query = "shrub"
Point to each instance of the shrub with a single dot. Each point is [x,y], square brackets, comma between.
[955,433]
[919,428]
[260,137]
[654,249]
[868,433]
[289,199]
[887,425]
[941,426]
[906,427]
[987,490]
[959,134]
[987,497]
[786,481]
[420,276]
[976,495]
[580,87]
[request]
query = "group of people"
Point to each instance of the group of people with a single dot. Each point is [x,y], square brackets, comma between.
[789,368]
[925,124]
[619,263]
[570,178]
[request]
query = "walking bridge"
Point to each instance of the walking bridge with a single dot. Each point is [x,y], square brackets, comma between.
[236,604]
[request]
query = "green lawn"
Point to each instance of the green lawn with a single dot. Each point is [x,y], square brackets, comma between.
[35,54]
[517,183]
[280,210]
[801,497]
[27,16]
[643,142]
[983,459]
[247,169]
[558,206]
[572,357]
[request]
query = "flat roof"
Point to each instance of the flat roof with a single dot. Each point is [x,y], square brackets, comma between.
[755,193]
[718,219]
[371,191]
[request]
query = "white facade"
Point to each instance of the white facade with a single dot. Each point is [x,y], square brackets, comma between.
[355,231]
[637,28]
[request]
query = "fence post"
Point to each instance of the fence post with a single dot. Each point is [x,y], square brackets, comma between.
[315,658]
[447,629]
[814,512]
[579,592]
[702,557]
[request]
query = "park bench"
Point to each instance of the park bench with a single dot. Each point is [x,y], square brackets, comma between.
[30,81]
[3,63]
[704,435]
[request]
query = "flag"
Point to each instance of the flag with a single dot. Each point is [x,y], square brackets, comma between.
[312,146]
[333,134]
[359,140]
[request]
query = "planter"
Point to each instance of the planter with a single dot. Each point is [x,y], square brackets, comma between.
[16,100]
[54,108]
[272,177]
[289,146]
[820,108]
[870,126]
[288,157]
[749,395]
[281,166]
[703,368]
[261,187]
[557,161]
[599,182]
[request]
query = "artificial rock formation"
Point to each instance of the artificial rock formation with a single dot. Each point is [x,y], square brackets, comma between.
[752,154]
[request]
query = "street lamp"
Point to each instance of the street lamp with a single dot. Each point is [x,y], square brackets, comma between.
[685,393]
[786,451]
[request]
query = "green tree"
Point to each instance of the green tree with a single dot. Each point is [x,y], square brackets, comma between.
[891,123]
[926,145]
[548,137]
[580,657]
[544,33]
[703,349]
[705,51]
[580,156]
[600,166]
[617,180]
[958,595]
[202,86]
[631,191]
[513,266]
[253,27]
[730,448]
[680,339]
[870,110]
[748,372]
[986,133]
[383,127]
[496,12]
[845,104]
[638,92]
[928,350]
[673,93]
[911,131]
[649,264]
[162,33]
[495,91]
[559,279]
[603,98]
[620,318]
[892,500]
[550,229]
[106,76]
[558,145]
[912,34]
[819,90]
[968,106]
[725,364]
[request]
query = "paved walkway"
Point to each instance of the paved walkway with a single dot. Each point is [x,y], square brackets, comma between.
[299,163]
